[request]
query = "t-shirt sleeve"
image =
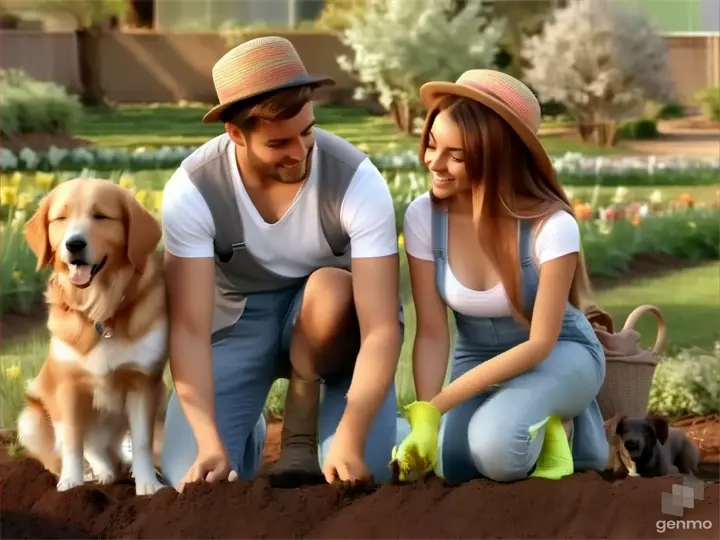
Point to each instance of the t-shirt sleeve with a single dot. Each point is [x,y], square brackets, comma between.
[560,235]
[417,228]
[187,224]
[368,214]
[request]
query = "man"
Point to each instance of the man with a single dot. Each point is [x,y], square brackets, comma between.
[282,261]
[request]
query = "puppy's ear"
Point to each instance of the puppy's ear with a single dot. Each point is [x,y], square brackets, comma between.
[619,421]
[36,233]
[143,232]
[660,426]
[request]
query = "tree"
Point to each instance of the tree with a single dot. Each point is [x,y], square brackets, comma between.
[336,15]
[600,59]
[398,46]
[91,18]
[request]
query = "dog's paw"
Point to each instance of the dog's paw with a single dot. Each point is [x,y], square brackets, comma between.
[148,488]
[105,477]
[69,482]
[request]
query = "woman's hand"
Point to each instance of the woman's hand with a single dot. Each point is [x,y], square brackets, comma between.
[417,454]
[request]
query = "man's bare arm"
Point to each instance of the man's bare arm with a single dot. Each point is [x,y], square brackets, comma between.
[190,284]
[375,290]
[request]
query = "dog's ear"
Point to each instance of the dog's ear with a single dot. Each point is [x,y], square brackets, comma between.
[660,426]
[36,233]
[143,232]
[619,421]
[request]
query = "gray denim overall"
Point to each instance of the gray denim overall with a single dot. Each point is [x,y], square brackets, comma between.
[255,310]
[498,433]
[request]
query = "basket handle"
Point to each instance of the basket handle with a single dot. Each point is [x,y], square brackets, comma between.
[662,327]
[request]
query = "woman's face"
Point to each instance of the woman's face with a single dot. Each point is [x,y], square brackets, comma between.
[445,157]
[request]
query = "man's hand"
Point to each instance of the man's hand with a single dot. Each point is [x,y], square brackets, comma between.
[211,465]
[376,297]
[345,462]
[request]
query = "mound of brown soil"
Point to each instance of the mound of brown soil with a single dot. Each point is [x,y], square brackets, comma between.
[583,506]
[41,142]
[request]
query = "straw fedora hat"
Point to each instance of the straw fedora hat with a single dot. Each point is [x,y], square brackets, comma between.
[255,67]
[505,95]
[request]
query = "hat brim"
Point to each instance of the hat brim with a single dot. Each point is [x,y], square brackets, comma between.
[431,92]
[213,115]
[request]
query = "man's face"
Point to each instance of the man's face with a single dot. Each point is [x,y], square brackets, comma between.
[279,150]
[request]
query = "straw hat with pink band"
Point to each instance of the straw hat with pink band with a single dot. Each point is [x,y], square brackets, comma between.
[256,67]
[505,95]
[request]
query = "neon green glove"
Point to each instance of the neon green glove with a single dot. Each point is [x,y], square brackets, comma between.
[417,454]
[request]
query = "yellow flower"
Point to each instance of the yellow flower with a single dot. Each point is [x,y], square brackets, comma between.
[17,275]
[142,196]
[13,372]
[157,200]
[24,200]
[16,178]
[126,181]
[656,197]
[44,181]
[8,196]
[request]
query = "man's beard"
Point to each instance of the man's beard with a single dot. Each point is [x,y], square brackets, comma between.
[295,173]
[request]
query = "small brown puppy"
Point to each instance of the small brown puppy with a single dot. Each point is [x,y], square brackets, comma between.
[656,448]
[108,335]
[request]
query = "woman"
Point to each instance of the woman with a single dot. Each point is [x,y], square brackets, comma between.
[497,241]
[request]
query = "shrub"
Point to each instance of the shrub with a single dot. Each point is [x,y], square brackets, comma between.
[688,383]
[671,110]
[28,105]
[398,46]
[609,80]
[642,128]
[709,100]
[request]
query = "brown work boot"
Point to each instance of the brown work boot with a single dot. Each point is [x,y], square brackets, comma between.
[298,464]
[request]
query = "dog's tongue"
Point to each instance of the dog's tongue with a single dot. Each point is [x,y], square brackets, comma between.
[80,274]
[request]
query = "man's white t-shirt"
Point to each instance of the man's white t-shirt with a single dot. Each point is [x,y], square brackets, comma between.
[559,236]
[295,245]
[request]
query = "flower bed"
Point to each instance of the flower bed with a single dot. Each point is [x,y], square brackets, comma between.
[612,236]
[574,169]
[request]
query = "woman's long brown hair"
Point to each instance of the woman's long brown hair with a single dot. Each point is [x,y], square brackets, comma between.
[507,185]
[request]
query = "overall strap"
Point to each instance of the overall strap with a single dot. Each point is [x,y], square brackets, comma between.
[525,248]
[525,260]
[209,170]
[336,162]
[439,221]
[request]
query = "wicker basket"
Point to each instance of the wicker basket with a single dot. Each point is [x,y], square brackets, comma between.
[629,377]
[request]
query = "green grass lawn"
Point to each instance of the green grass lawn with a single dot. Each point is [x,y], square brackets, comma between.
[688,299]
[150,126]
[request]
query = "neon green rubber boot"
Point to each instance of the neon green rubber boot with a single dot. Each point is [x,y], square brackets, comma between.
[555,460]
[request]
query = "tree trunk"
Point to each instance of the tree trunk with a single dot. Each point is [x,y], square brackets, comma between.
[586,130]
[90,65]
[407,114]
[607,133]
[400,114]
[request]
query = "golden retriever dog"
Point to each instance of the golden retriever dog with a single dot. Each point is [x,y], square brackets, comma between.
[102,378]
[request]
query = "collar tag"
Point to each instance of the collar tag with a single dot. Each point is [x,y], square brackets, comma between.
[102,331]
